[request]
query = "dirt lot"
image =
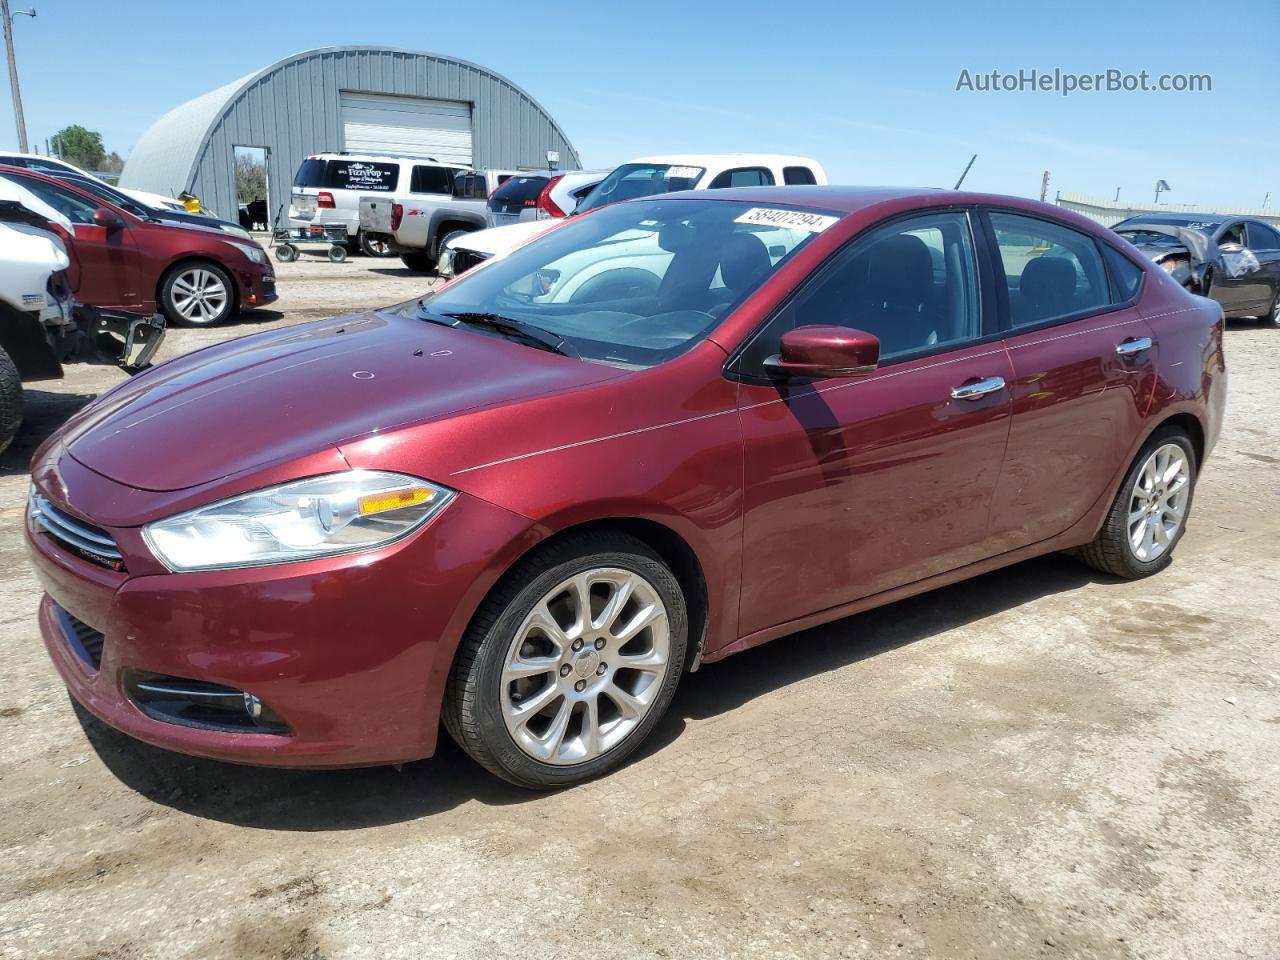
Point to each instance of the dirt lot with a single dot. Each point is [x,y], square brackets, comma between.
[1038,763]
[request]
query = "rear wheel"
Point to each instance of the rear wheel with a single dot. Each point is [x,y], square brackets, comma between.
[10,400]
[570,662]
[337,254]
[1150,512]
[286,253]
[374,244]
[198,294]
[418,262]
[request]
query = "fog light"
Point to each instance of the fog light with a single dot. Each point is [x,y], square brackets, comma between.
[253,706]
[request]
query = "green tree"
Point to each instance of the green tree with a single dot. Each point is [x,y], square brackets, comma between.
[114,163]
[82,147]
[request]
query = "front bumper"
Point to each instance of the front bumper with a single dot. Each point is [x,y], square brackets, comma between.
[350,653]
[257,287]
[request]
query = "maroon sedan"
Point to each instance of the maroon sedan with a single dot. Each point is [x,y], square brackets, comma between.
[197,276]
[660,434]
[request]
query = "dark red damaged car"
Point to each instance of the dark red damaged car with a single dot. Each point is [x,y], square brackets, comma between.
[524,505]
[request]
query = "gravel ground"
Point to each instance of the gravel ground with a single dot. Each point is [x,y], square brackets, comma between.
[1041,762]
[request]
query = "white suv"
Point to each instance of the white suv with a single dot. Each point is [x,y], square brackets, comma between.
[640,178]
[328,186]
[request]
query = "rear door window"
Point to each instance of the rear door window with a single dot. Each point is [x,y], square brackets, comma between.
[742,177]
[1052,271]
[427,179]
[71,205]
[798,176]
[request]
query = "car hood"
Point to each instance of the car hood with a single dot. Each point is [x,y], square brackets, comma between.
[499,241]
[275,397]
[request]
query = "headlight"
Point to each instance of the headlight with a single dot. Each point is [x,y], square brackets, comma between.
[252,251]
[318,517]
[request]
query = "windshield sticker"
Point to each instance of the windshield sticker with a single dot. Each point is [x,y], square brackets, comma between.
[794,219]
[683,173]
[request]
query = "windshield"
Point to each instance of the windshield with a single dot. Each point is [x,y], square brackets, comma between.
[638,283]
[634,180]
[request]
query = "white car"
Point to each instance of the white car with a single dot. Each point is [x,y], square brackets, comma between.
[58,168]
[639,178]
[541,195]
[328,187]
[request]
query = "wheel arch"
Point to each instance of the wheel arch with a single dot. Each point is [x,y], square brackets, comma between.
[184,259]
[674,549]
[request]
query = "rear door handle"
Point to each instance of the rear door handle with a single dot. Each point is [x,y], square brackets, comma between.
[977,388]
[1134,345]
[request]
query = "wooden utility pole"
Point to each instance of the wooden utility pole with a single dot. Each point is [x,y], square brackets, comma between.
[1044,186]
[13,74]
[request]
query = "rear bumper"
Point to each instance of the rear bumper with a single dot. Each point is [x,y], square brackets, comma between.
[351,653]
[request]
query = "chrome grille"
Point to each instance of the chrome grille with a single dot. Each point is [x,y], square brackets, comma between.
[81,537]
[464,260]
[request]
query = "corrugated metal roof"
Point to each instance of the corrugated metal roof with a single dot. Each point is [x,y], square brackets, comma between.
[1111,212]
[292,108]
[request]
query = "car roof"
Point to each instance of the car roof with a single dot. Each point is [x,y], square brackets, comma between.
[838,199]
[706,159]
[419,158]
[1174,219]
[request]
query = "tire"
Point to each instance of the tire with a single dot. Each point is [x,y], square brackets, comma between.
[1272,317]
[1113,550]
[418,262]
[337,254]
[286,253]
[374,248]
[10,400]
[211,299]
[444,239]
[482,700]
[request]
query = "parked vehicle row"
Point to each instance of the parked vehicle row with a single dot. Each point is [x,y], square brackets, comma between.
[130,259]
[42,325]
[645,177]
[660,434]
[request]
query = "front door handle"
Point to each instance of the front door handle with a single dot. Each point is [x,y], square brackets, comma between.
[977,388]
[1133,345]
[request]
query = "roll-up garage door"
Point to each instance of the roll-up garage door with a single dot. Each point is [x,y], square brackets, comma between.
[375,123]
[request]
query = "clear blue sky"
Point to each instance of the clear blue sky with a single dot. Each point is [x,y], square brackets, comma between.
[869,90]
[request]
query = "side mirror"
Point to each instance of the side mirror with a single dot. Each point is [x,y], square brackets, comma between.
[822,352]
[107,218]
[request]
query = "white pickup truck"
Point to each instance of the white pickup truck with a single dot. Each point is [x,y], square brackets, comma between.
[639,178]
[417,223]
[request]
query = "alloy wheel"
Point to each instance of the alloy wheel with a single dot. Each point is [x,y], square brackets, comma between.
[199,295]
[585,666]
[1158,505]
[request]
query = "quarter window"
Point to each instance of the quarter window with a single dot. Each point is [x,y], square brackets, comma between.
[913,284]
[1261,236]
[798,176]
[1126,276]
[743,177]
[431,180]
[1052,271]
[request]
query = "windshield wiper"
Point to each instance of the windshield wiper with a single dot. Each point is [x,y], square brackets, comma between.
[516,330]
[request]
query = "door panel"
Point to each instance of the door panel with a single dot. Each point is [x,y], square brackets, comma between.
[1077,404]
[108,267]
[856,486]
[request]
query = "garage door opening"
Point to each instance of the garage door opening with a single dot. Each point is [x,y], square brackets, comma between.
[413,126]
[251,187]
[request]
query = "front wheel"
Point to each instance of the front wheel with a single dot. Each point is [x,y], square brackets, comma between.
[10,400]
[197,294]
[1149,515]
[570,662]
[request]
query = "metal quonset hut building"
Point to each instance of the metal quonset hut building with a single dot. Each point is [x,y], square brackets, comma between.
[358,99]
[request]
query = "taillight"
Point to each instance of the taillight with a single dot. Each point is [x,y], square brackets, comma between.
[544,201]
[397,214]
[324,200]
